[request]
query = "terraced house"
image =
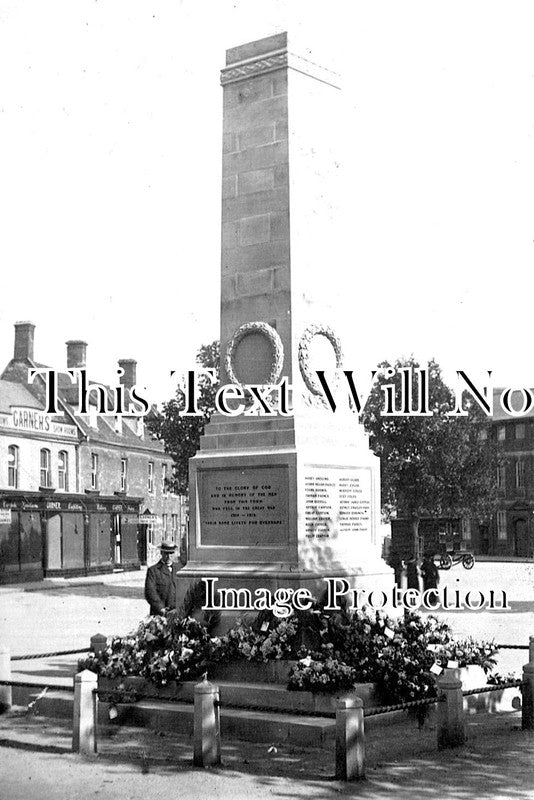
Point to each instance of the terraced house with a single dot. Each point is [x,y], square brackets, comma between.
[79,494]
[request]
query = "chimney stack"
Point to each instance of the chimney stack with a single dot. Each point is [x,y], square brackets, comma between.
[76,354]
[129,367]
[23,341]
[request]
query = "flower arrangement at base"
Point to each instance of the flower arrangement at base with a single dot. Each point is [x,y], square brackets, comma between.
[334,650]
[261,639]
[163,648]
[395,655]
[326,675]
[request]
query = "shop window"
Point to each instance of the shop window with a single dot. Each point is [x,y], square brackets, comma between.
[63,471]
[94,471]
[13,466]
[150,532]
[45,468]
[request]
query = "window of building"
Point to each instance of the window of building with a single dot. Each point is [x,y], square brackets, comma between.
[13,466]
[45,468]
[63,470]
[483,434]
[520,430]
[520,474]
[164,478]
[501,433]
[501,476]
[151,477]
[94,471]
[124,474]
[466,529]
[164,525]
[501,524]
[174,527]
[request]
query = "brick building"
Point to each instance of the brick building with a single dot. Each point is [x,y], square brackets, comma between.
[510,532]
[78,494]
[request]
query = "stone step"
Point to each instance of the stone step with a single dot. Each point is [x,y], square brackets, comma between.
[254,726]
[236,723]
[271,697]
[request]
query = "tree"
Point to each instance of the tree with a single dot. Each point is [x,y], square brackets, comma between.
[437,465]
[181,435]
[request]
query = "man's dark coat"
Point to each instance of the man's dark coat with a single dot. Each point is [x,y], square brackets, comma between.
[160,588]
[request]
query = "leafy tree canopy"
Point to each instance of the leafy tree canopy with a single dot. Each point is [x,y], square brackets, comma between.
[181,435]
[436,465]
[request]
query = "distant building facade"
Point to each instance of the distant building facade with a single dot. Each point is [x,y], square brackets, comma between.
[510,531]
[78,494]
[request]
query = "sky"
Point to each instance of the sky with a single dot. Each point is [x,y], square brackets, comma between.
[110,173]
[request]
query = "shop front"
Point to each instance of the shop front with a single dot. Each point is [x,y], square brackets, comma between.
[42,535]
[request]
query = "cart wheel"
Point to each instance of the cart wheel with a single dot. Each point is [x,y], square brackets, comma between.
[468,561]
[445,562]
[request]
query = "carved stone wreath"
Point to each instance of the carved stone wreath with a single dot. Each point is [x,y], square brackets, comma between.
[274,340]
[311,331]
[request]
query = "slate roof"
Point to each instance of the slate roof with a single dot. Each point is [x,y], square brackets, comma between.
[516,400]
[16,375]
[15,394]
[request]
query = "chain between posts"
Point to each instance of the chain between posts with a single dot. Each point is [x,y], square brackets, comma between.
[31,685]
[49,655]
[125,696]
[494,687]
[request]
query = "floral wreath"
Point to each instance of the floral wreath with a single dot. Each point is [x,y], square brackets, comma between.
[304,354]
[274,340]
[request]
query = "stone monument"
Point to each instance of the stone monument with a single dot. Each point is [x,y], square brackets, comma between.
[282,500]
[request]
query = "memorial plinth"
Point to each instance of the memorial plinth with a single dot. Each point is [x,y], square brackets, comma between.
[278,500]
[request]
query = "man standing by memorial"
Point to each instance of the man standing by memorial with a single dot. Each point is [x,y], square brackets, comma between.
[160,587]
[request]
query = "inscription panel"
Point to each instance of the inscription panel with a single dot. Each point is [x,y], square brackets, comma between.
[337,503]
[244,507]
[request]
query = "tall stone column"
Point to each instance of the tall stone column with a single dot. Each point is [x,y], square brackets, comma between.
[278,500]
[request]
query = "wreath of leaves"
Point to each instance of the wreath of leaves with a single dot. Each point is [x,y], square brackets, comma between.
[274,340]
[311,331]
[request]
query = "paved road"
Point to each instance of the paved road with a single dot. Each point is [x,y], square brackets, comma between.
[64,614]
[135,764]
[505,627]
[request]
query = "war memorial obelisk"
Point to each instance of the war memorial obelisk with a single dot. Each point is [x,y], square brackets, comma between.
[282,501]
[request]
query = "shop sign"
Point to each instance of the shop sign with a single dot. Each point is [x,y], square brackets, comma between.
[31,419]
[5,516]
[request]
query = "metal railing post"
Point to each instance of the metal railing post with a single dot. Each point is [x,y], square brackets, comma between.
[350,739]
